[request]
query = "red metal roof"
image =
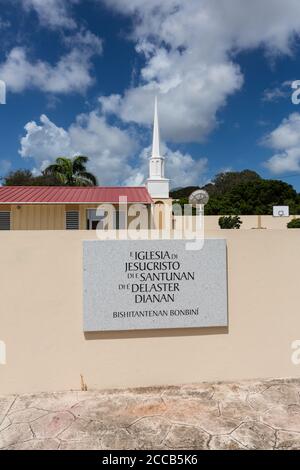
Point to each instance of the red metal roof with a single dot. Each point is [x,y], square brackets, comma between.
[67,194]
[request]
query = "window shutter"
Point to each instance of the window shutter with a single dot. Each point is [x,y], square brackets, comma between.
[72,220]
[4,220]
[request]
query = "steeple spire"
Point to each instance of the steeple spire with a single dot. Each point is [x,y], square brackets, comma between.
[157,184]
[157,162]
[156,138]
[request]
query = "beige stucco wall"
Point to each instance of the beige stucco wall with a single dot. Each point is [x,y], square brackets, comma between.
[211,222]
[47,216]
[41,319]
[53,217]
[38,217]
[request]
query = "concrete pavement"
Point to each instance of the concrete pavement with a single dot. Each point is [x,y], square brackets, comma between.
[243,415]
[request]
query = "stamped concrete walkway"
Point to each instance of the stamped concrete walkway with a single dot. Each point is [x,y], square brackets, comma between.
[246,415]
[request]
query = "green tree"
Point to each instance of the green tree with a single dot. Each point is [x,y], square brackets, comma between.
[183,193]
[295,223]
[230,222]
[26,178]
[224,182]
[71,172]
[252,198]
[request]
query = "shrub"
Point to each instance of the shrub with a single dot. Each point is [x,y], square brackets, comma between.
[230,221]
[295,223]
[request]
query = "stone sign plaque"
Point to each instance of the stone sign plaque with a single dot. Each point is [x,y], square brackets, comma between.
[137,285]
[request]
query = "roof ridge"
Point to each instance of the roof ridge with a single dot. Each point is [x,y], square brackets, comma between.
[73,187]
[73,194]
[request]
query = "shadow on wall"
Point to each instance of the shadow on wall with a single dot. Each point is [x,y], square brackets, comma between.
[222,330]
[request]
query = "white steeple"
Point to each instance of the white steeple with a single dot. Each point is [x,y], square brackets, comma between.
[157,184]
[156,140]
[156,163]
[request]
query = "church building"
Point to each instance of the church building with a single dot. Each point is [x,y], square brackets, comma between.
[75,208]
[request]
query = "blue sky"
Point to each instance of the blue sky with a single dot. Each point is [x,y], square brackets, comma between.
[81,76]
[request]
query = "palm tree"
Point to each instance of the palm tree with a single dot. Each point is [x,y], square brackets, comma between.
[71,171]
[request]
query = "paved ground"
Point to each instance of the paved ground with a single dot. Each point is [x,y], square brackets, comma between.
[246,415]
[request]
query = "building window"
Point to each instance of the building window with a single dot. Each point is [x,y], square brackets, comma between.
[95,219]
[72,220]
[5,220]
[120,220]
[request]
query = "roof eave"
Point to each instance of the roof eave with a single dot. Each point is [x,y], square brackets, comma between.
[30,203]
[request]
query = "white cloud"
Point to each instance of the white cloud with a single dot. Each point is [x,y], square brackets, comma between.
[184,170]
[183,117]
[45,142]
[285,141]
[274,94]
[108,147]
[181,168]
[189,53]
[110,104]
[72,72]
[242,24]
[84,40]
[52,13]
[286,135]
[137,178]
[188,48]
[111,151]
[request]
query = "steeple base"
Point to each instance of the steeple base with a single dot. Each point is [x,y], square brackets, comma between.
[159,188]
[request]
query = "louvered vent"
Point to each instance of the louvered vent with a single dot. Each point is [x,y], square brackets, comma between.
[4,220]
[72,220]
